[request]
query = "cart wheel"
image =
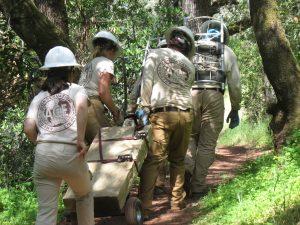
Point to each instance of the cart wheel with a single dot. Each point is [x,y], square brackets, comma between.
[133,211]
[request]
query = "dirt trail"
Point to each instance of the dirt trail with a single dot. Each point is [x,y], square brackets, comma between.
[227,162]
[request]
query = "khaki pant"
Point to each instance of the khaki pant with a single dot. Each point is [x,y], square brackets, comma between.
[96,119]
[162,173]
[208,123]
[171,132]
[53,163]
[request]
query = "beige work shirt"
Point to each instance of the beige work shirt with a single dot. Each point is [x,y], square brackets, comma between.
[55,115]
[167,79]
[92,72]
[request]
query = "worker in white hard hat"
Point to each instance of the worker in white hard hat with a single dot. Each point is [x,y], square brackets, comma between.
[96,77]
[55,122]
[168,76]
[216,64]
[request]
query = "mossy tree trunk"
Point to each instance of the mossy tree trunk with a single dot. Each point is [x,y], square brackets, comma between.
[280,66]
[56,12]
[36,30]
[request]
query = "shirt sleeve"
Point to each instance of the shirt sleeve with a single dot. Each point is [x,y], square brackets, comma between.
[233,79]
[32,110]
[105,66]
[147,82]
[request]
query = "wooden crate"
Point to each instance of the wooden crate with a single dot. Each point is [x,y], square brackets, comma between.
[113,181]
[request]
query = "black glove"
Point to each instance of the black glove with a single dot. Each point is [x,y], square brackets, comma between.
[233,116]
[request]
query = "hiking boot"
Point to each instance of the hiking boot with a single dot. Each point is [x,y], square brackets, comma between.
[177,207]
[159,190]
[187,183]
[147,214]
[198,195]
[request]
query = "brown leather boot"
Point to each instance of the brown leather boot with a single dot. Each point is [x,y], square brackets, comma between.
[187,183]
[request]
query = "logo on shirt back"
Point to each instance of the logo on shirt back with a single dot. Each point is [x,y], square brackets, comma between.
[174,73]
[56,113]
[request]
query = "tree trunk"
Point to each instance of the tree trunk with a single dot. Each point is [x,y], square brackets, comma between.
[56,12]
[280,66]
[203,7]
[32,26]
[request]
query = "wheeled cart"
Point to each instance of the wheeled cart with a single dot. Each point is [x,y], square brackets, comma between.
[114,159]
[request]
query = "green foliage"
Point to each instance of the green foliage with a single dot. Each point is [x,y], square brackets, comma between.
[18,68]
[289,11]
[265,192]
[16,153]
[133,22]
[17,205]
[247,133]
[255,88]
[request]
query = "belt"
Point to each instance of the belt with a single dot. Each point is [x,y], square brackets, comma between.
[97,97]
[170,109]
[214,89]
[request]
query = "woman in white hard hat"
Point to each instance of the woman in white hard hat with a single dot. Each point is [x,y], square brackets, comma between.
[96,77]
[56,121]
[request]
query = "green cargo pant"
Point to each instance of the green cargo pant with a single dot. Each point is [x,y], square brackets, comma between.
[53,163]
[171,132]
[96,119]
[208,123]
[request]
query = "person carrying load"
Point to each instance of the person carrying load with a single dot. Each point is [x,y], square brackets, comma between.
[215,65]
[168,76]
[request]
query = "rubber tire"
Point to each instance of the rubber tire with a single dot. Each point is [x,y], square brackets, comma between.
[134,212]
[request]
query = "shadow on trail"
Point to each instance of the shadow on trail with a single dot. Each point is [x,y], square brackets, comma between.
[227,164]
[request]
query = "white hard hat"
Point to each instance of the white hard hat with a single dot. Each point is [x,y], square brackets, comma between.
[188,33]
[109,36]
[59,56]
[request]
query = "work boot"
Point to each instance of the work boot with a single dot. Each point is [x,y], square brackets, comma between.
[177,207]
[198,195]
[159,190]
[187,183]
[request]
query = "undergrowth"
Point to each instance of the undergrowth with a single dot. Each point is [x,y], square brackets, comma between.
[247,133]
[18,205]
[266,191]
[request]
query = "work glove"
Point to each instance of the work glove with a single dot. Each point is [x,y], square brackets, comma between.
[143,116]
[233,116]
[118,118]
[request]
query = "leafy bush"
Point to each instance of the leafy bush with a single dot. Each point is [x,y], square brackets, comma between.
[266,191]
[16,153]
[17,205]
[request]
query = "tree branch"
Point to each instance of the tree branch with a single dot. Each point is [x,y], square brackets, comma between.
[32,26]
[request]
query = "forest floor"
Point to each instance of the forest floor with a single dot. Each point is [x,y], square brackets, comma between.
[225,167]
[227,163]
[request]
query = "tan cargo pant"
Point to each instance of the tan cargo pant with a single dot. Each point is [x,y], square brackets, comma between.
[171,132]
[53,163]
[96,119]
[208,123]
